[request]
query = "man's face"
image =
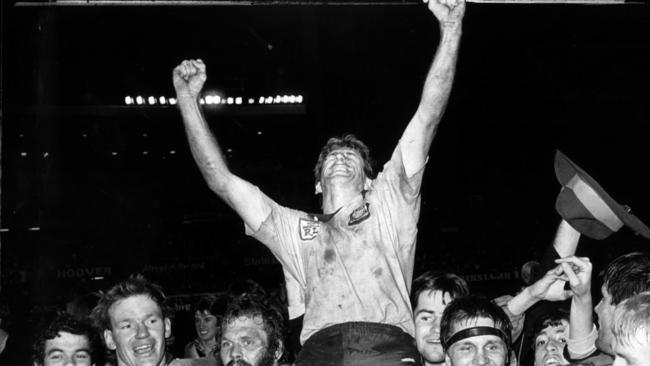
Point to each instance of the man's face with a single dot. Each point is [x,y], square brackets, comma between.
[343,165]
[244,342]
[138,332]
[605,312]
[636,353]
[549,345]
[206,325]
[67,349]
[428,311]
[479,350]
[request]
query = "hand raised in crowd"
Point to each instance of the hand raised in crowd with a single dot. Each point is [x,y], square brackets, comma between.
[578,271]
[551,286]
[448,12]
[188,78]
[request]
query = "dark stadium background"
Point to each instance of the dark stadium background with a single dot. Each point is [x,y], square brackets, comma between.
[83,206]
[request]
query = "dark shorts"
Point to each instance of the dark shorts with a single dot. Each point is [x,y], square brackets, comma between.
[361,344]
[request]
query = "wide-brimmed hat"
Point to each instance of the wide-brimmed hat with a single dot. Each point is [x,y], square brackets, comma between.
[585,205]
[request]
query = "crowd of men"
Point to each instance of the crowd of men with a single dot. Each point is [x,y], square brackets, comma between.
[132,320]
[349,269]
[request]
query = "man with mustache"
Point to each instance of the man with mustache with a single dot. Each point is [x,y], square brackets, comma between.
[252,332]
[354,262]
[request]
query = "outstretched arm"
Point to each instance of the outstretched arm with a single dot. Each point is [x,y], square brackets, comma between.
[242,196]
[419,133]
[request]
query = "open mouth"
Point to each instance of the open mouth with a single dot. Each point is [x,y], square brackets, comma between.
[143,350]
[552,361]
[433,341]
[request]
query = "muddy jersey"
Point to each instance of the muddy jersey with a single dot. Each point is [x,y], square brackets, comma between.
[355,264]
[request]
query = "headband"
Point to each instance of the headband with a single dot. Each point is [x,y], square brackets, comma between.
[473,332]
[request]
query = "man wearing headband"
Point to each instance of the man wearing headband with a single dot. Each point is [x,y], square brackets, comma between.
[475,331]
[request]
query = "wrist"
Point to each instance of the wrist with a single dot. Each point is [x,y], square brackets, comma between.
[520,303]
[454,27]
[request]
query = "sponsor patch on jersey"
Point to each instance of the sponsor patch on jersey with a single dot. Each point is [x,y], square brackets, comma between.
[359,214]
[308,229]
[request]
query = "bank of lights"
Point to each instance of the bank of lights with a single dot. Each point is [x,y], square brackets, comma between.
[216,100]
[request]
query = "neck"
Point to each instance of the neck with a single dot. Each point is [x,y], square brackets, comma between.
[208,344]
[335,197]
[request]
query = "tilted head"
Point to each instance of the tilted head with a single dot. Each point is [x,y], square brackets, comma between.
[431,293]
[252,332]
[551,333]
[625,277]
[475,330]
[134,319]
[65,341]
[347,143]
[208,313]
[631,331]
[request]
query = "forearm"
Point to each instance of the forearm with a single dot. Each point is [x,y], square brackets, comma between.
[420,131]
[205,149]
[439,80]
[522,302]
[581,319]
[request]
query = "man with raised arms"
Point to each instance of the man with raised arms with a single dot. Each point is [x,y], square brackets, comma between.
[354,262]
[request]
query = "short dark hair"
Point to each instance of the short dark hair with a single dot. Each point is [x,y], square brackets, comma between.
[470,307]
[133,286]
[552,319]
[63,322]
[627,276]
[345,141]
[252,305]
[447,283]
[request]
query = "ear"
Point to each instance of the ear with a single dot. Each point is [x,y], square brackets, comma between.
[279,351]
[367,184]
[319,188]
[108,339]
[168,327]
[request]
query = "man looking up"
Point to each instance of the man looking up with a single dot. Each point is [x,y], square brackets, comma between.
[354,262]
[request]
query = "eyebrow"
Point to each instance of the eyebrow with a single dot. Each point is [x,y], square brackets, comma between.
[54,350]
[425,311]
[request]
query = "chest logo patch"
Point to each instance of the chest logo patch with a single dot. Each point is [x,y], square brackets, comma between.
[359,214]
[308,229]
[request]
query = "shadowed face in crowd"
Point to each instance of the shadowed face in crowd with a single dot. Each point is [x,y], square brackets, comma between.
[67,349]
[550,343]
[206,325]
[244,342]
[428,312]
